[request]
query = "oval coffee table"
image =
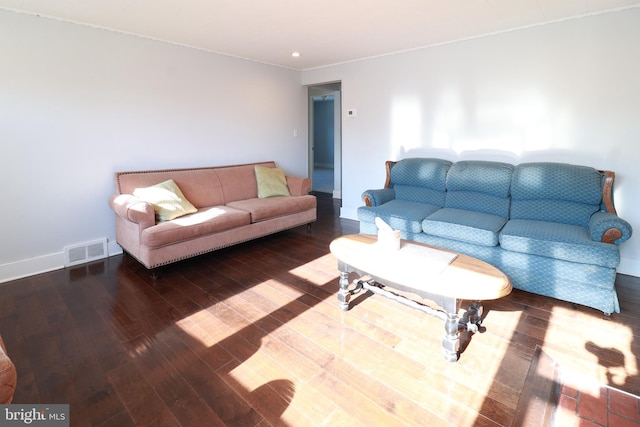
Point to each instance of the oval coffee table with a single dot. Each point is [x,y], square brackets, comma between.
[444,277]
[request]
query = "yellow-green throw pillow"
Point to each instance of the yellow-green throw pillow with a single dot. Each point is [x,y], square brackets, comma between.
[271,182]
[167,200]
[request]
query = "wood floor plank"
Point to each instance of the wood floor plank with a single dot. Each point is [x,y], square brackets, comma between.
[142,403]
[351,401]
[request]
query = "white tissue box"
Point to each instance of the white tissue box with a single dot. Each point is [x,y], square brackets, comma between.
[389,239]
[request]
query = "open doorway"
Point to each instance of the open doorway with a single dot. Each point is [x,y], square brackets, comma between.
[325,134]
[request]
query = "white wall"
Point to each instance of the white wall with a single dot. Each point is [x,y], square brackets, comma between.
[78,104]
[566,92]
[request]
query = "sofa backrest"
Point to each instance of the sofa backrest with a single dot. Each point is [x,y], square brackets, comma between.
[239,182]
[556,192]
[203,187]
[420,180]
[481,186]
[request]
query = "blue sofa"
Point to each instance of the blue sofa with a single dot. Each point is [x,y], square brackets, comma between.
[551,228]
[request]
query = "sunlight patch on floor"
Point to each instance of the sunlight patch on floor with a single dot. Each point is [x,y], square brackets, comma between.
[327,265]
[609,348]
[205,327]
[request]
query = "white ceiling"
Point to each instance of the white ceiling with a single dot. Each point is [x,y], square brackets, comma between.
[326,32]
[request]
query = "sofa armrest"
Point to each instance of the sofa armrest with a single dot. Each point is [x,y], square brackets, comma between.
[133,209]
[298,186]
[609,228]
[378,197]
[8,376]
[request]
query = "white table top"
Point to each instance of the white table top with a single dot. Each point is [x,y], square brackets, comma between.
[423,268]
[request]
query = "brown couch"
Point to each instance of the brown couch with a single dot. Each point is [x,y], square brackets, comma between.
[8,376]
[229,211]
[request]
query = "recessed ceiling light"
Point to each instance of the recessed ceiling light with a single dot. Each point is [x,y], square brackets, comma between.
[295,54]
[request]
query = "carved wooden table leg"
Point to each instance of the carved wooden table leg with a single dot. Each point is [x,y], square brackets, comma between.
[451,341]
[344,295]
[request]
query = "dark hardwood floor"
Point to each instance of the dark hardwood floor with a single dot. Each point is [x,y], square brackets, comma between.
[252,336]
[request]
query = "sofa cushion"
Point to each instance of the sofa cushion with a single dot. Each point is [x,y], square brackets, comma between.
[555,192]
[467,226]
[239,182]
[272,207]
[205,221]
[271,182]
[555,240]
[401,215]
[167,200]
[479,186]
[420,180]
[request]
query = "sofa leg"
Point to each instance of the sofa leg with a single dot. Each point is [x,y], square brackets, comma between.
[154,274]
[309,227]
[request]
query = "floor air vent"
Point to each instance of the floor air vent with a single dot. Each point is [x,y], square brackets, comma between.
[85,252]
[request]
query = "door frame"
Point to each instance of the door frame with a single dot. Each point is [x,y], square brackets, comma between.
[334,89]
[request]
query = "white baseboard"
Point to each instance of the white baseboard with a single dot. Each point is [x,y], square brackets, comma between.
[113,248]
[43,264]
[32,266]
[349,213]
[629,267]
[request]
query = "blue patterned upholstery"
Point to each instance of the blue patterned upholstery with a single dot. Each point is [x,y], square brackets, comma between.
[417,189]
[399,214]
[380,196]
[555,192]
[555,240]
[542,224]
[469,226]
[480,186]
[585,284]
[476,203]
[420,180]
